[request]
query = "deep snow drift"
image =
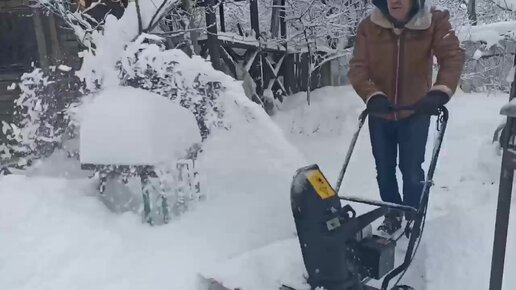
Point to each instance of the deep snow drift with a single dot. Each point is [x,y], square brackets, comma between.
[125,125]
[57,235]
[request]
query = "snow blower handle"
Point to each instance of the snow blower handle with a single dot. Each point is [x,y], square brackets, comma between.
[403,108]
[413,108]
[361,121]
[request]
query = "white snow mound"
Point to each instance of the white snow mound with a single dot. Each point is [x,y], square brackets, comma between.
[125,125]
[490,33]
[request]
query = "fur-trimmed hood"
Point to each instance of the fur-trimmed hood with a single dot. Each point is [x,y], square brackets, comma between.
[421,20]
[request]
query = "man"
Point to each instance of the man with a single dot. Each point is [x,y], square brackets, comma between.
[392,66]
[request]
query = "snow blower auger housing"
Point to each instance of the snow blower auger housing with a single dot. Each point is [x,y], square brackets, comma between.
[335,243]
[338,247]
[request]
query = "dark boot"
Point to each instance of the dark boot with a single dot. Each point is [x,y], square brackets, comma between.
[410,216]
[391,223]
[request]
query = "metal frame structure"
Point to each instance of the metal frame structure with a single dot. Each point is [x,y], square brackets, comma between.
[503,209]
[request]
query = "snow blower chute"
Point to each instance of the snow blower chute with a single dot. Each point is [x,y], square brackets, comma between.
[338,247]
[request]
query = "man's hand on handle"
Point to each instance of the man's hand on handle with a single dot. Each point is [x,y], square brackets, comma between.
[427,105]
[379,104]
[430,103]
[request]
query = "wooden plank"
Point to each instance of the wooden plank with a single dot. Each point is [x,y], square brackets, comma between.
[288,73]
[5,83]
[6,108]
[213,41]
[8,97]
[275,18]
[222,18]
[10,76]
[229,62]
[255,23]
[55,46]
[14,4]
[283,21]
[41,40]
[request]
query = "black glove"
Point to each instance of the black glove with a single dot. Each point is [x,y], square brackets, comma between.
[379,104]
[430,103]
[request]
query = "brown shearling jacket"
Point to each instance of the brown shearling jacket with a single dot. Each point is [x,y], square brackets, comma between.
[398,62]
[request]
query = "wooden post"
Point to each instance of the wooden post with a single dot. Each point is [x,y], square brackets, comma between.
[54,37]
[289,74]
[222,17]
[283,21]
[275,18]
[213,40]
[40,40]
[305,75]
[472,12]
[255,24]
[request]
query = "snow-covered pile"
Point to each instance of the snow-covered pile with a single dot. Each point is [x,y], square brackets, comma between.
[57,235]
[490,33]
[330,112]
[149,128]
[147,64]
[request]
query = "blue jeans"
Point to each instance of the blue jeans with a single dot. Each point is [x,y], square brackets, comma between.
[409,135]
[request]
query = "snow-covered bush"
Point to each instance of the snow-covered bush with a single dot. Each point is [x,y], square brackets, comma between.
[489,56]
[41,119]
[118,54]
[147,64]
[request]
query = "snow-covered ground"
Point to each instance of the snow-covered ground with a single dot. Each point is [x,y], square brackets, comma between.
[56,234]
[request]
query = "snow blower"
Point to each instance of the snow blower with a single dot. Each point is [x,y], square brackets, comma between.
[338,247]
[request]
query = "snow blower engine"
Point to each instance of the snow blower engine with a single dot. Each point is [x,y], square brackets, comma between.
[338,247]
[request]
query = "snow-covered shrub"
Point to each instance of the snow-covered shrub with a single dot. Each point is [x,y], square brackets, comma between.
[41,121]
[147,64]
[489,57]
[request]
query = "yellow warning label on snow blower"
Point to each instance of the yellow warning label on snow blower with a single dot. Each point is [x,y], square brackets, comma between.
[320,184]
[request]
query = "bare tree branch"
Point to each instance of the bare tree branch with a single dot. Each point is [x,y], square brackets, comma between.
[156,14]
[140,24]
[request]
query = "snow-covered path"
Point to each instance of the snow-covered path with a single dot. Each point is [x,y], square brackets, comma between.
[54,233]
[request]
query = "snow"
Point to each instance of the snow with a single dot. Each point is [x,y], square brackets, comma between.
[150,128]
[57,234]
[509,109]
[107,45]
[11,87]
[64,68]
[100,63]
[511,74]
[478,54]
[509,4]
[264,268]
[490,33]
